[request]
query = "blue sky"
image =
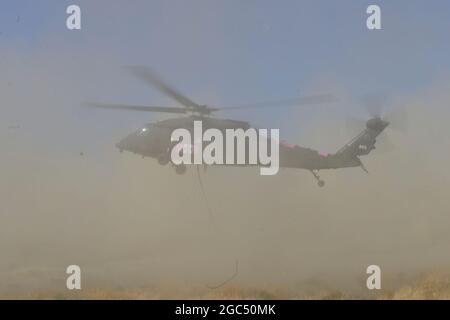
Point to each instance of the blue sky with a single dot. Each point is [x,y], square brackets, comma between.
[232,52]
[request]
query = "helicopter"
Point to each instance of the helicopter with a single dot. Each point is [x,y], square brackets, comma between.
[153,140]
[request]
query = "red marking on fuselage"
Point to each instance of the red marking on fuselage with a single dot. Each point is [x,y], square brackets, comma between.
[288,145]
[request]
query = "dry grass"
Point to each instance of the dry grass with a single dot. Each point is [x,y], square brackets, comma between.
[432,286]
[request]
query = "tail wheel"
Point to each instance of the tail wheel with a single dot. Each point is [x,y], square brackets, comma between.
[320,182]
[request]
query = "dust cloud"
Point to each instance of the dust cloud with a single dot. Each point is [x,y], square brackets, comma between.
[67,196]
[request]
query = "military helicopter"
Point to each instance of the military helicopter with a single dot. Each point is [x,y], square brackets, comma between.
[154,139]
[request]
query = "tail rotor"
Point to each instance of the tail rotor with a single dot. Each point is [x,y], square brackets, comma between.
[375,106]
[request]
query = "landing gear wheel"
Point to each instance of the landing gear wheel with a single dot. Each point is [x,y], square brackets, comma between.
[163,159]
[180,169]
[320,182]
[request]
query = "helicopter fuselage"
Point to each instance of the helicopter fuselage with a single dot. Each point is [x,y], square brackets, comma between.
[154,140]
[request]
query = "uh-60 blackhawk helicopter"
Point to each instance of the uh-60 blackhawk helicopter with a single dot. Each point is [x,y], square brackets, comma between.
[154,139]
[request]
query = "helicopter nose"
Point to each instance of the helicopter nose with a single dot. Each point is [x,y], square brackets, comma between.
[120,146]
[130,143]
[123,144]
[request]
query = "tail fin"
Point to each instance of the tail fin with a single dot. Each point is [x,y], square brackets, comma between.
[364,142]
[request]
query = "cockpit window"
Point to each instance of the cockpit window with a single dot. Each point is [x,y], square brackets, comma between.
[143,131]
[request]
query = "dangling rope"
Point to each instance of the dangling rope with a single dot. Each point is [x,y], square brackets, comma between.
[236,270]
[211,215]
[200,181]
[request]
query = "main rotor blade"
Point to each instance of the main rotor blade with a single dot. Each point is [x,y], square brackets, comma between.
[296,102]
[135,108]
[151,78]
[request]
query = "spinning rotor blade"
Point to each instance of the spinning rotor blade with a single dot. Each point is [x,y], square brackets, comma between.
[306,100]
[151,78]
[135,108]
[398,119]
[374,104]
